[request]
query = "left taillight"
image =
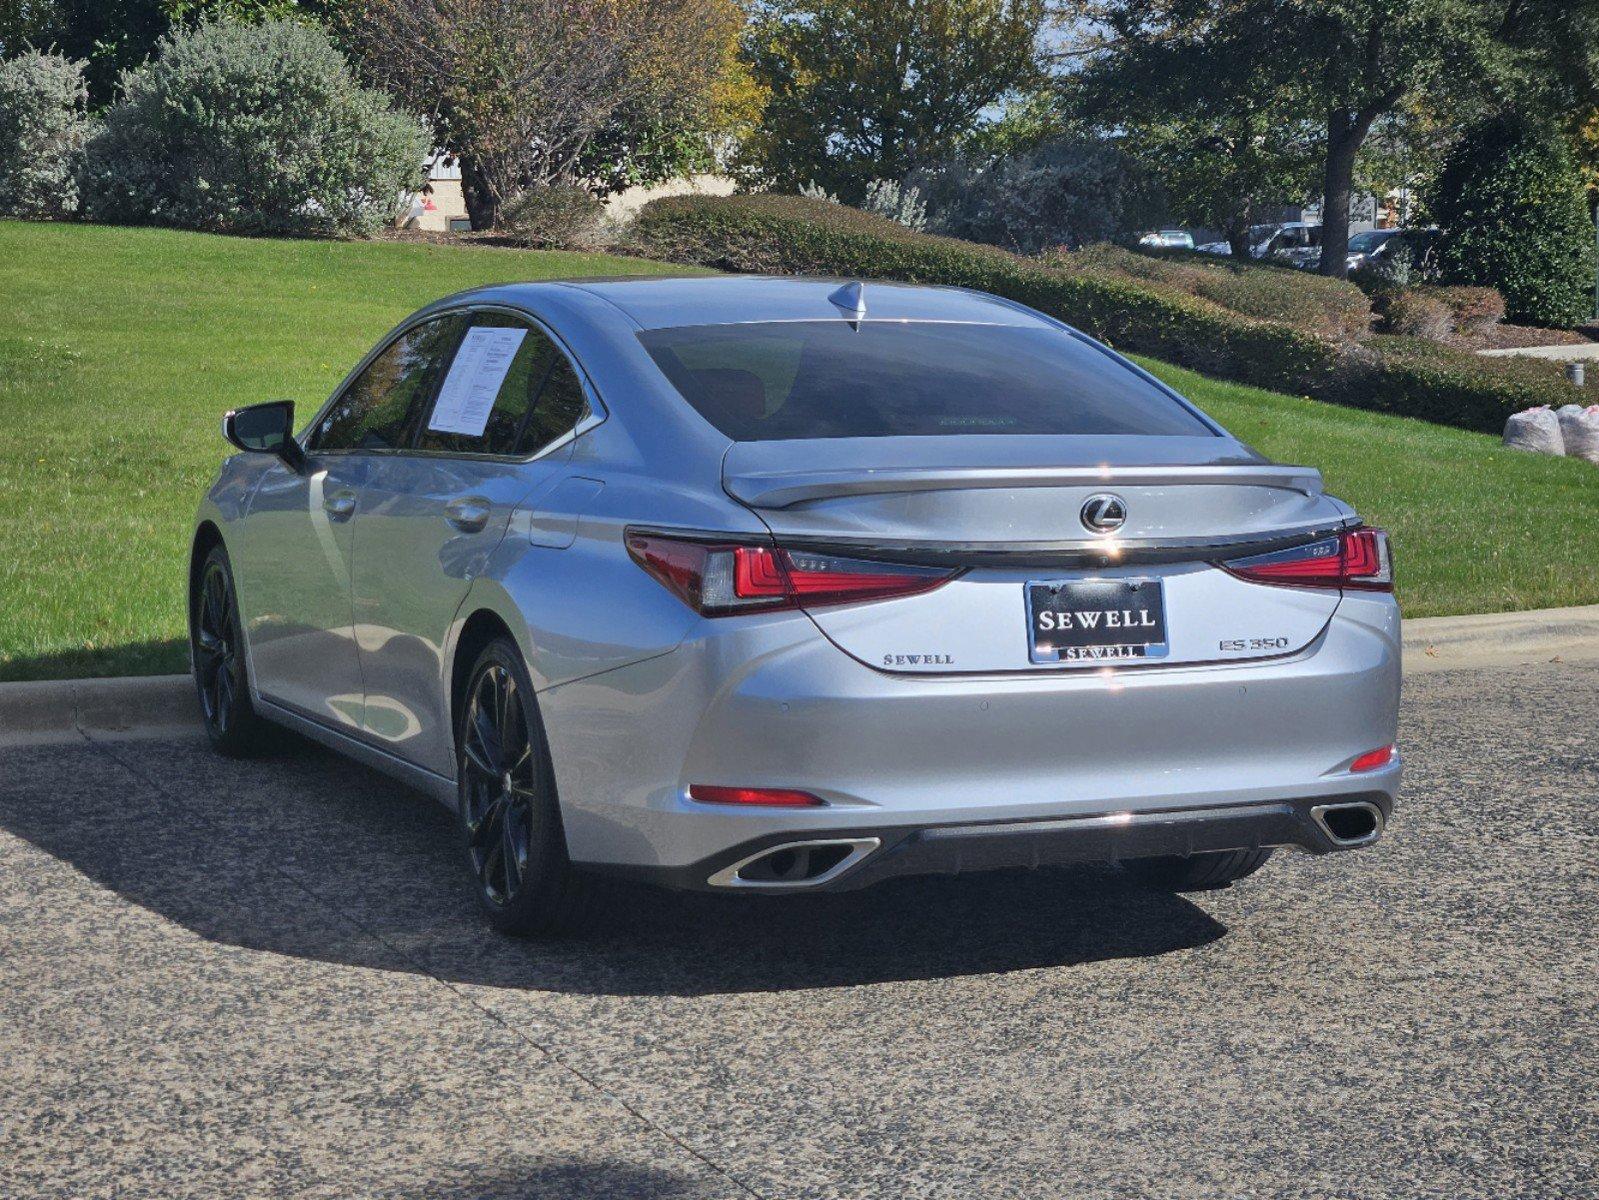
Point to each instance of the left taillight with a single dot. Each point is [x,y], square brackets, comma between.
[1355,558]
[719,579]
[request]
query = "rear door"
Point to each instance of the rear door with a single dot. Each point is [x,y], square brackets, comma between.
[493,431]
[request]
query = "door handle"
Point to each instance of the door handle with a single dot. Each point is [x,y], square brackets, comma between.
[468,513]
[339,506]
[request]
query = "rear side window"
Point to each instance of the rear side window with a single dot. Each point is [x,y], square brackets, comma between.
[378,410]
[508,391]
[768,381]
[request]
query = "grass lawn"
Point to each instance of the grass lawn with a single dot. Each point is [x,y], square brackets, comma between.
[124,346]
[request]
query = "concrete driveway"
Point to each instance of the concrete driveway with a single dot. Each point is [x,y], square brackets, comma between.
[267,979]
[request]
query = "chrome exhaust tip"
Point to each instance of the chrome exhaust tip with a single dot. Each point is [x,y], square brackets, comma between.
[1356,823]
[793,866]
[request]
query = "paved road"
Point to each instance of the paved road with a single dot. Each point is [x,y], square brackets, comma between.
[224,980]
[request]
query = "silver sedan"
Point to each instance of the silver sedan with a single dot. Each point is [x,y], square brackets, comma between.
[773,585]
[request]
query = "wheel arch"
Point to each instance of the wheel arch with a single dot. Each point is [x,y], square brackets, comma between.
[206,538]
[480,628]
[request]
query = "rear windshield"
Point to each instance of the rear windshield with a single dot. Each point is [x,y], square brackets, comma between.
[770,381]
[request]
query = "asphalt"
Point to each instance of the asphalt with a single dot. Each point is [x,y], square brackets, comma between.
[259,979]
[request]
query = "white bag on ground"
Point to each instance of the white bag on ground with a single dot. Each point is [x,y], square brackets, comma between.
[1535,429]
[1579,431]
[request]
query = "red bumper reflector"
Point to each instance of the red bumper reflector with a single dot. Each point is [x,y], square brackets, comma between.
[1374,759]
[770,797]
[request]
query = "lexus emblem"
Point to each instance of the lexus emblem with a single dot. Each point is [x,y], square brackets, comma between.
[1104,513]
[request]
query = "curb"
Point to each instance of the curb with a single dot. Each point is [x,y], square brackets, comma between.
[1500,639]
[52,710]
[55,709]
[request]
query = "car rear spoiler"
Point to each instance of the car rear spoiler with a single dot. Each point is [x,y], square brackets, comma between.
[783,489]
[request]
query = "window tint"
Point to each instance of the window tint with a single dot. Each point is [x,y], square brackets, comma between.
[561,405]
[530,381]
[378,409]
[768,381]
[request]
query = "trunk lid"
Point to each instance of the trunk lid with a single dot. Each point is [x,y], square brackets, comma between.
[1008,511]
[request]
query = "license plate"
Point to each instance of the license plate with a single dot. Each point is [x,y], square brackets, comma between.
[1096,620]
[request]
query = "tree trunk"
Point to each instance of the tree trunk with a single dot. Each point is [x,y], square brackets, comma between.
[482,200]
[1238,236]
[1345,133]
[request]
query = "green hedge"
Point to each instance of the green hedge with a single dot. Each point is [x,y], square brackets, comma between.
[1333,308]
[1416,378]
[792,235]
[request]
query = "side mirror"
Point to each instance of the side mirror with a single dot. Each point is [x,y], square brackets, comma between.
[265,429]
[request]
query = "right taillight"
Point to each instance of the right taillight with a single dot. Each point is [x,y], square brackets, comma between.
[1355,558]
[719,579]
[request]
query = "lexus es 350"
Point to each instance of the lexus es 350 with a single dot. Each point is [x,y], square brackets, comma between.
[773,585]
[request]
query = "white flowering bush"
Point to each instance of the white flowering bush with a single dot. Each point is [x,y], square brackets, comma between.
[239,128]
[43,126]
[883,198]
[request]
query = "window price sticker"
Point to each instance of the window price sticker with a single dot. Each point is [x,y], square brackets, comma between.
[475,377]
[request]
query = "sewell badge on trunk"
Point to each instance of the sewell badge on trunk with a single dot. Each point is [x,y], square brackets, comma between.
[1096,620]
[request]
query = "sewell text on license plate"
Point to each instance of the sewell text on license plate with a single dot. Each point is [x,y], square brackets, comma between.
[1095,620]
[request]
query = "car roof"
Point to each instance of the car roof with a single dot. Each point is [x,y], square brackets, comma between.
[659,302]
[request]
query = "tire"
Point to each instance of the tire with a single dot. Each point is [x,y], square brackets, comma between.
[507,813]
[1198,872]
[216,650]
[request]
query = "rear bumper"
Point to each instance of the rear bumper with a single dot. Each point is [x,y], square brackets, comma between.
[999,771]
[874,855]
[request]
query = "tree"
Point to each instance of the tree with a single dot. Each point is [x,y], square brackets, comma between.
[871,89]
[238,128]
[1229,171]
[538,93]
[1343,64]
[1067,192]
[1515,217]
[113,36]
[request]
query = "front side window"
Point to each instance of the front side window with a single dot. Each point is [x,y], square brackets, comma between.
[379,408]
[508,391]
[767,381]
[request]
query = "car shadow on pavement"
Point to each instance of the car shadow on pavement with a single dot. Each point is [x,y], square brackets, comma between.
[568,1180]
[306,854]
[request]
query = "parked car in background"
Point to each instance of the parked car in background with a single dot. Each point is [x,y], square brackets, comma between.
[1419,246]
[1259,236]
[1298,243]
[774,585]
[1380,247]
[1167,239]
[1368,245]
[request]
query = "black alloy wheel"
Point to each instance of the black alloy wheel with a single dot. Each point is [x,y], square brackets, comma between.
[506,809]
[217,650]
[500,787]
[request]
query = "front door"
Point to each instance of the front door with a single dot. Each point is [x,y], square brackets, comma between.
[492,434]
[303,530]
[294,588]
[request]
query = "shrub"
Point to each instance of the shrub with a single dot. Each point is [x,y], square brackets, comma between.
[1417,312]
[558,217]
[902,205]
[884,198]
[1328,307]
[1515,217]
[239,128]
[794,235]
[1416,378]
[43,125]
[1472,310]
